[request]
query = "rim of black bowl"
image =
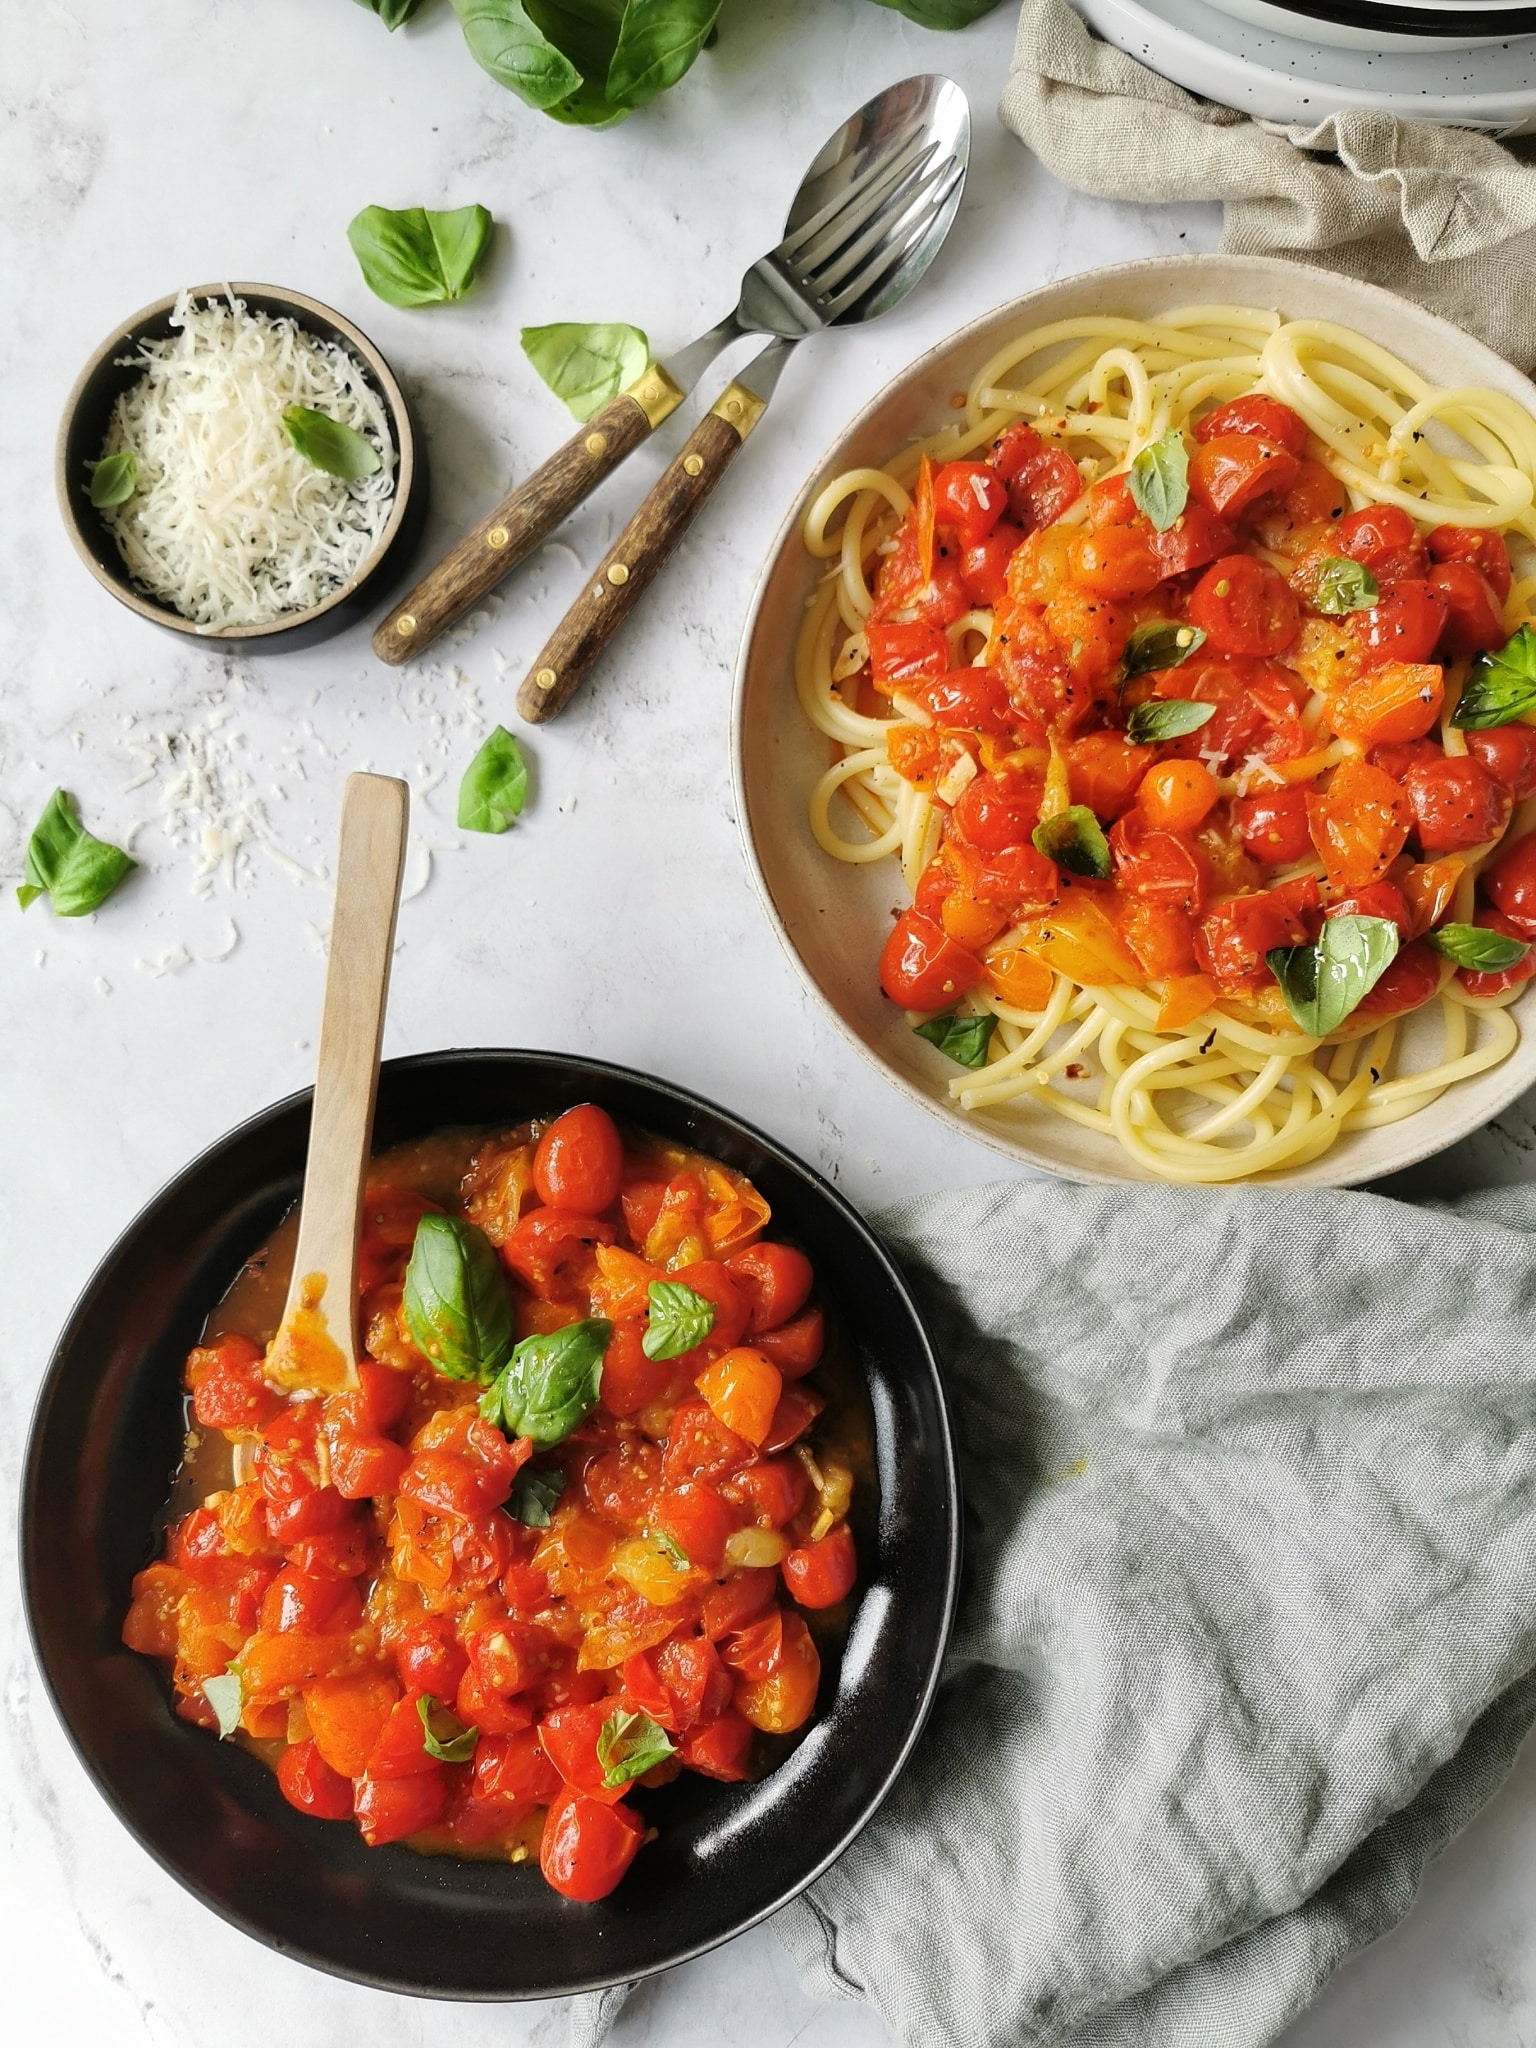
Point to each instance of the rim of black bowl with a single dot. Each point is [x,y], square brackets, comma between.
[391,1918]
[96,547]
[1447,23]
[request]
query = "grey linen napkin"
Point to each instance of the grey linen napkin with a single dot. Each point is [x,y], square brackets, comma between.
[1248,1628]
[1446,216]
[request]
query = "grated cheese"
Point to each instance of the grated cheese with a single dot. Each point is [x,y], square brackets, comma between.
[230,525]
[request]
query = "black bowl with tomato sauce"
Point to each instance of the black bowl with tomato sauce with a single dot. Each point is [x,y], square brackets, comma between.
[107,1438]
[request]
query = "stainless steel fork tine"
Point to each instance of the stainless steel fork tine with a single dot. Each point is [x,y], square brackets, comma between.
[886,259]
[909,197]
[841,216]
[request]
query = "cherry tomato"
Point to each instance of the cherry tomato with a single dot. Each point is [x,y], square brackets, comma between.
[1403,625]
[631,1381]
[731,1302]
[1385,539]
[822,1573]
[587,1847]
[1042,480]
[308,1514]
[721,1748]
[551,1251]
[984,565]
[1176,795]
[1376,899]
[493,1713]
[1158,865]
[579,1162]
[1235,938]
[970,497]
[1273,826]
[1508,752]
[1456,802]
[1409,981]
[1289,521]
[774,1488]
[313,1601]
[515,1769]
[1116,561]
[1358,824]
[1256,709]
[228,1390]
[798,1408]
[621,1484]
[1474,615]
[905,652]
[1245,607]
[1479,545]
[307,1781]
[698,1521]
[1161,935]
[1105,770]
[743,1388]
[400,1748]
[430,1658]
[1509,883]
[569,1736]
[740,1600]
[1393,704]
[995,811]
[467,1485]
[1196,537]
[700,1446]
[967,700]
[796,1347]
[922,968]
[366,1467]
[1231,472]
[777,1281]
[1494,984]
[1256,413]
[388,1809]
[783,1702]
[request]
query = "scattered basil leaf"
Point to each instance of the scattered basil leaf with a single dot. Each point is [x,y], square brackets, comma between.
[114,479]
[1166,718]
[65,863]
[940,13]
[391,12]
[629,1745]
[1340,585]
[533,1495]
[337,449]
[658,41]
[674,1552]
[495,785]
[458,1749]
[550,1384]
[458,1306]
[1500,687]
[587,365]
[1475,947]
[1160,643]
[226,1696]
[965,1040]
[415,257]
[1323,983]
[504,40]
[1075,840]
[1159,479]
[678,1320]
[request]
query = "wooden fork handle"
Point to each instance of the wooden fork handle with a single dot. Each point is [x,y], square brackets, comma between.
[520,522]
[640,551]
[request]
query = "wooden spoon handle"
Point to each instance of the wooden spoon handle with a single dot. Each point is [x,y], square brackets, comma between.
[520,522]
[630,565]
[320,1319]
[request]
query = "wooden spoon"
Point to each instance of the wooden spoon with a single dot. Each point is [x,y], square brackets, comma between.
[316,1346]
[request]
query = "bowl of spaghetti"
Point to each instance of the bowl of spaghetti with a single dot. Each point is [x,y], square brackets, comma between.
[1133,733]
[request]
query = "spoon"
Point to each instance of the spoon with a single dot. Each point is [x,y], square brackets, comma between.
[899,160]
[315,1348]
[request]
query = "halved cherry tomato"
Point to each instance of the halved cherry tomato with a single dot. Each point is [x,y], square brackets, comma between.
[307,1781]
[1196,537]
[1409,981]
[1474,615]
[1508,752]
[1255,413]
[1105,770]
[1229,473]
[493,1713]
[550,1250]
[1245,607]
[1175,795]
[1509,883]
[699,1446]
[796,1347]
[922,968]
[587,1847]
[1235,938]
[1385,539]
[782,1702]
[579,1163]
[1042,479]
[1395,758]
[737,1601]
[400,1747]
[1404,625]
[430,1658]
[365,1467]
[1429,890]
[569,1736]
[743,1388]
[347,1715]
[1164,867]
[515,1769]
[621,1484]
[967,700]
[1376,899]
[631,1380]
[1456,802]
[721,1748]
[307,1514]
[1358,824]
[970,497]
[1273,826]
[1162,936]
[310,1600]
[1494,984]
[1289,521]
[776,1279]
[822,1573]
[1479,545]
[997,810]
[1390,704]
[698,1521]
[774,1489]
[905,652]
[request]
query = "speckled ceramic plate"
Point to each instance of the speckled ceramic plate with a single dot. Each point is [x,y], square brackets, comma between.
[833,919]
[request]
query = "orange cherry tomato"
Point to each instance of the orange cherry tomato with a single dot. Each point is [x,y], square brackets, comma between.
[1391,704]
[308,1782]
[347,1715]
[743,1388]
[1245,607]
[1175,795]
[1229,473]
[922,968]
[579,1162]
[822,1573]
[1105,770]
[1116,561]
[586,1847]
[776,1279]
[1162,936]
[784,1701]
[1456,802]
[1358,824]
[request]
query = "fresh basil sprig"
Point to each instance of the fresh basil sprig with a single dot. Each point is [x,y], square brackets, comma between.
[534,1494]
[415,257]
[329,444]
[1166,718]
[589,64]
[1159,479]
[1074,839]
[1500,687]
[550,1384]
[1160,643]
[65,863]
[1477,948]
[226,1696]
[495,785]
[965,1040]
[586,365]
[391,12]
[679,1319]
[458,1749]
[458,1306]
[629,1745]
[1325,982]
[1341,585]
[114,479]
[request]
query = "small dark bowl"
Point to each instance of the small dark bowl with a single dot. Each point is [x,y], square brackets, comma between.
[83,430]
[108,1433]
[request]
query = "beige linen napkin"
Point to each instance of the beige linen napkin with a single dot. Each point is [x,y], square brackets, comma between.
[1446,216]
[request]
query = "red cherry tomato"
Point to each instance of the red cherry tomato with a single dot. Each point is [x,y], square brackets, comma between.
[777,1281]
[1474,615]
[1231,472]
[1376,899]
[1403,625]
[984,565]
[570,1735]
[1509,883]
[515,1769]
[1456,802]
[970,497]
[1386,540]
[548,1249]
[1196,537]
[587,1847]
[740,1599]
[1256,414]
[1484,549]
[580,1161]
[721,1748]
[732,1304]
[1396,757]
[388,1809]
[307,1781]
[922,968]
[996,811]
[1163,867]
[228,1390]
[795,1348]
[904,652]
[1410,980]
[631,1381]
[366,1467]
[822,1573]
[798,1408]
[312,1602]
[1235,938]
[698,1521]
[1042,480]
[1116,561]
[699,1446]
[967,700]
[1506,977]
[430,1658]
[1273,827]
[774,1488]
[1508,752]
[1245,607]
[400,1749]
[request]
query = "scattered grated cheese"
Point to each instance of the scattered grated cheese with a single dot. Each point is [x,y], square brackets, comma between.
[168,963]
[230,525]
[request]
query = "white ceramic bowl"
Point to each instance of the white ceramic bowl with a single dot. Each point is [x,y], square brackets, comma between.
[833,919]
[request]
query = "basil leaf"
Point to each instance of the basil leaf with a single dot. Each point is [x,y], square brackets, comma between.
[1160,643]
[629,1745]
[1323,983]
[1159,479]
[658,41]
[1166,718]
[679,1319]
[940,13]
[587,365]
[65,863]
[674,1552]
[391,12]
[226,1696]
[1500,687]
[965,1040]
[533,1495]
[1075,840]
[504,40]
[1476,947]
[550,1384]
[1340,585]
[458,1306]
[495,785]
[338,450]
[415,257]
[114,479]
[458,1749]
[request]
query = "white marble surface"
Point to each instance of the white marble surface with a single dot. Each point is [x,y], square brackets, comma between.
[148,147]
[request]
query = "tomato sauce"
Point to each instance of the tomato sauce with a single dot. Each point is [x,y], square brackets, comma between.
[582,1526]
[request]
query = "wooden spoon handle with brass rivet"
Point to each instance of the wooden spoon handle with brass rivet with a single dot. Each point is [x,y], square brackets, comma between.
[520,522]
[640,551]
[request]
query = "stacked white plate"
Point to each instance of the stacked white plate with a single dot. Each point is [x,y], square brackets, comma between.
[1468,63]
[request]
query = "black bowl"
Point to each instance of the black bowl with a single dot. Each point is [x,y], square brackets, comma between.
[84,429]
[107,1435]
